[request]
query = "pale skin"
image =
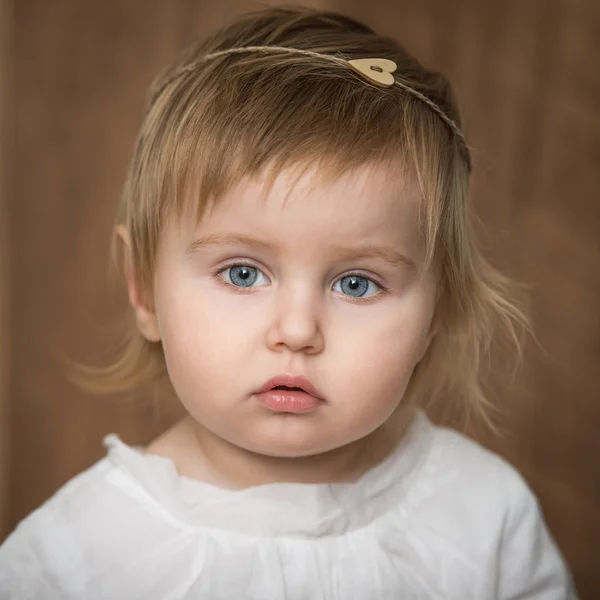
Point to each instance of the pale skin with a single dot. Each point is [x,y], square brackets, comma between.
[295,313]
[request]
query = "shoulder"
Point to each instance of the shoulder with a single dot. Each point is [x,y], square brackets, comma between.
[94,489]
[470,495]
[484,506]
[86,496]
[44,543]
[477,472]
[484,488]
[51,546]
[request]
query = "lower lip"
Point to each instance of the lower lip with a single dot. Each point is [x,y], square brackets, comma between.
[288,401]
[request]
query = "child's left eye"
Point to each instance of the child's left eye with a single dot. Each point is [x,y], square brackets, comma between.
[357,286]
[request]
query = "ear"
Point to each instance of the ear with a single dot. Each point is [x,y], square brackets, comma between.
[145,316]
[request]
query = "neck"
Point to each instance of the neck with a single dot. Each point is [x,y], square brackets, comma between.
[199,454]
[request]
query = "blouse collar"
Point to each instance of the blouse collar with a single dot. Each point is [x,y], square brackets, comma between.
[282,509]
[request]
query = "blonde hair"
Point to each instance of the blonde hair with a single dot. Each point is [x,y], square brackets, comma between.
[213,121]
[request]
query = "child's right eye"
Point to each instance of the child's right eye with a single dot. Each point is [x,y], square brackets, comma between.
[241,275]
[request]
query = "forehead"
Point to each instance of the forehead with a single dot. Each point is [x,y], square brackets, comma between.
[372,201]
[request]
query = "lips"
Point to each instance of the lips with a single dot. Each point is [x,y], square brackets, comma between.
[291,381]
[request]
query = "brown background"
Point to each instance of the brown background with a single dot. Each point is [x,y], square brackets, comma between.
[527,73]
[5,116]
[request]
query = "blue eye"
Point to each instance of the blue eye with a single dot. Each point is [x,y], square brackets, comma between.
[243,276]
[246,276]
[356,286]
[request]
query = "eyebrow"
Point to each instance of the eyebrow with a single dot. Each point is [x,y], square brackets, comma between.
[222,240]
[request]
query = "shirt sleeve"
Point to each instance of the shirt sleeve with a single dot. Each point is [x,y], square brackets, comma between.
[530,564]
[39,560]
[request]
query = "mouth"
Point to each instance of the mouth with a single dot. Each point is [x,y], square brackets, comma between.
[285,387]
[288,398]
[291,383]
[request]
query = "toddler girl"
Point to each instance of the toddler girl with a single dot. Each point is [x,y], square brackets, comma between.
[295,240]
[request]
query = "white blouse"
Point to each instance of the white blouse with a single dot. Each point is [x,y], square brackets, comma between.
[439,518]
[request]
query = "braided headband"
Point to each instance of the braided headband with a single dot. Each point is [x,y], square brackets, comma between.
[376,70]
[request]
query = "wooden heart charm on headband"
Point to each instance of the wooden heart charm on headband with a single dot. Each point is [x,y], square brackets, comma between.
[378,70]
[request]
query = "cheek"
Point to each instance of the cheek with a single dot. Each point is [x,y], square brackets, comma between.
[383,368]
[207,335]
[380,351]
[388,333]
[192,335]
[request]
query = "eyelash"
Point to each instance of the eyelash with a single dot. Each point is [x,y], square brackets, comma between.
[381,288]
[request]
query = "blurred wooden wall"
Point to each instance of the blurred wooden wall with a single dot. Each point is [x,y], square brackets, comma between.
[5,128]
[527,73]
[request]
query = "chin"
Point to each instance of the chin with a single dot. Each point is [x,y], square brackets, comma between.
[286,447]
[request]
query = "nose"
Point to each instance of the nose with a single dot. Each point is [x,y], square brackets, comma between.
[296,322]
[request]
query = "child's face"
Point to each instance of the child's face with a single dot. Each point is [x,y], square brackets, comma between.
[293,310]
